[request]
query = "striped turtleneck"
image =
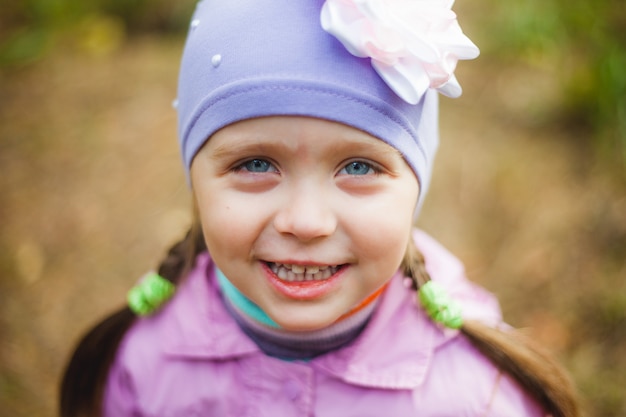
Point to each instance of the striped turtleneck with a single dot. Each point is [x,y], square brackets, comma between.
[289,345]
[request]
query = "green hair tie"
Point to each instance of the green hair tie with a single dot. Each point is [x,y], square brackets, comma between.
[439,306]
[150,294]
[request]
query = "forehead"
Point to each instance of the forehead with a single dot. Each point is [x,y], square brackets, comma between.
[294,133]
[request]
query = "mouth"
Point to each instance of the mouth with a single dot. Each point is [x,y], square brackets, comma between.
[302,273]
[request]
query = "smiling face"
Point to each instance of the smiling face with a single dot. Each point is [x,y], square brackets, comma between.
[306,217]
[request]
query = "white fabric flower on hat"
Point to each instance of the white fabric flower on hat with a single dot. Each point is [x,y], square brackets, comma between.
[413,44]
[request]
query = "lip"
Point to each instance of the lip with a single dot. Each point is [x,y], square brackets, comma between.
[304,290]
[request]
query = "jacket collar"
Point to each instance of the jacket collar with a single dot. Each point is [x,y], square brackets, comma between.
[196,322]
[395,349]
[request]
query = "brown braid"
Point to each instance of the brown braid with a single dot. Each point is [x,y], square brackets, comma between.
[84,380]
[414,266]
[181,257]
[534,369]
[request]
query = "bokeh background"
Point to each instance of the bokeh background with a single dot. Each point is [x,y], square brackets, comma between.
[529,189]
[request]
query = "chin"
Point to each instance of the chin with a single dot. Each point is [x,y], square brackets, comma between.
[295,324]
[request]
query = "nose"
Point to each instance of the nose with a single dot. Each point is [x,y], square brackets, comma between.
[306,214]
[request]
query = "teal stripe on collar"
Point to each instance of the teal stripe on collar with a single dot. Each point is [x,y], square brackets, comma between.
[243,303]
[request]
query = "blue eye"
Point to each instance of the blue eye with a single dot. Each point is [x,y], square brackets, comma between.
[258,165]
[358,168]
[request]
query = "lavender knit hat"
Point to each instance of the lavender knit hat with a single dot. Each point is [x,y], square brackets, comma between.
[375,65]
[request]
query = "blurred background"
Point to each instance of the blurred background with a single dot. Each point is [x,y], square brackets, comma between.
[529,189]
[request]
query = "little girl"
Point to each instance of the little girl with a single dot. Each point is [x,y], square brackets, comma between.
[308,130]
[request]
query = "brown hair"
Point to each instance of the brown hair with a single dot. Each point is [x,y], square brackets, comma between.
[513,352]
[85,377]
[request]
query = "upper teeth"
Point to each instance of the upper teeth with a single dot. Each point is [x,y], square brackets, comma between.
[291,272]
[300,269]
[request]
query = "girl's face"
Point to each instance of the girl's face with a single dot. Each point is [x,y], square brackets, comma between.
[306,217]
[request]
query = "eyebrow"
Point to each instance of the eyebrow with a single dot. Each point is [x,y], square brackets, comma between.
[228,150]
[252,146]
[375,146]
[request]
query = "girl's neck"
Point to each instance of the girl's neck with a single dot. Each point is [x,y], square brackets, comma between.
[277,342]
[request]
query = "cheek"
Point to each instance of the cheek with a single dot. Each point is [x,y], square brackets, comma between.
[383,230]
[382,235]
[228,225]
[216,217]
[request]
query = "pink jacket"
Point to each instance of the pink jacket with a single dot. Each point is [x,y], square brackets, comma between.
[191,359]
